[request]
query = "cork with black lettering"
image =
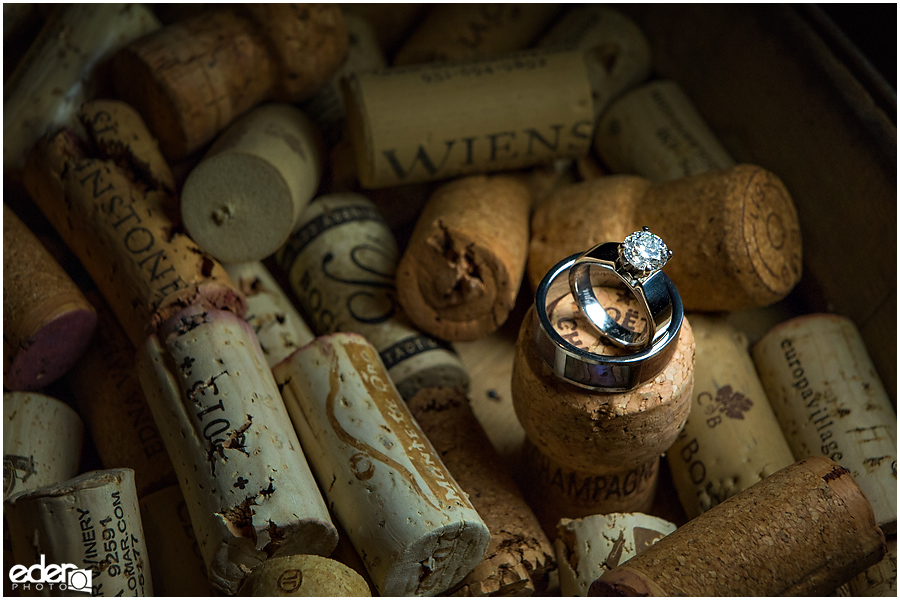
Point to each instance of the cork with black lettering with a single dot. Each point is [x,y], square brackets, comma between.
[456,32]
[460,274]
[115,411]
[431,122]
[47,321]
[588,547]
[249,490]
[802,531]
[42,439]
[175,559]
[732,438]
[413,525]
[305,575]
[190,79]
[656,132]
[341,264]
[244,198]
[519,558]
[91,521]
[110,199]
[830,401]
[734,232]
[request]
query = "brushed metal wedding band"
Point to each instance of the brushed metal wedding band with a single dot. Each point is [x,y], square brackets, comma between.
[635,264]
[592,371]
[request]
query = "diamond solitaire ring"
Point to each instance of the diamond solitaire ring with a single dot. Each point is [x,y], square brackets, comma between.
[569,351]
[636,263]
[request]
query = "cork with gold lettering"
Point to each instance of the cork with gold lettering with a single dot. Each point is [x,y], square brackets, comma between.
[47,321]
[109,198]
[460,274]
[458,32]
[91,521]
[734,232]
[58,73]
[732,438]
[830,401]
[412,524]
[190,79]
[586,548]
[41,441]
[802,531]
[519,558]
[341,265]
[242,201]
[615,50]
[248,487]
[175,559]
[278,326]
[115,411]
[432,122]
[656,132]
[304,575]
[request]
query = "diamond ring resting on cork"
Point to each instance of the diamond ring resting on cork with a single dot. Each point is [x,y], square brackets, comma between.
[573,362]
[637,263]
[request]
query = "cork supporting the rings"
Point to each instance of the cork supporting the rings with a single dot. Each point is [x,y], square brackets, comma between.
[459,276]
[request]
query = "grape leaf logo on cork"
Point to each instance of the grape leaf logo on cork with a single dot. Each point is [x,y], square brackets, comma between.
[729,402]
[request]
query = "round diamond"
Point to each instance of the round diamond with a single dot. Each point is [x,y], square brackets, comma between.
[645,251]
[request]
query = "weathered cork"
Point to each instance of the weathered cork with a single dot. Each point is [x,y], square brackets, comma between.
[304,575]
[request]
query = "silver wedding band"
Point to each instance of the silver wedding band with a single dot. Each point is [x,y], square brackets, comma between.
[599,371]
[604,264]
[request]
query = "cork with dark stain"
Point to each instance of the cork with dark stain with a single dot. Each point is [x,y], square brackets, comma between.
[116,219]
[460,274]
[802,531]
[519,558]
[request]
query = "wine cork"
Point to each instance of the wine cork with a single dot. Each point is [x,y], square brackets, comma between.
[55,76]
[732,438]
[588,547]
[326,107]
[457,32]
[519,558]
[656,132]
[800,532]
[615,50]
[92,522]
[341,265]
[243,473]
[115,410]
[175,559]
[830,401]
[41,441]
[880,579]
[409,520]
[114,219]
[304,575]
[47,321]
[391,21]
[460,274]
[242,201]
[734,232]
[278,326]
[431,122]
[555,490]
[192,78]
[590,431]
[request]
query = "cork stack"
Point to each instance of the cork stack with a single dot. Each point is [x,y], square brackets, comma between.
[734,232]
[47,321]
[111,210]
[802,531]
[460,274]
[235,57]
[587,451]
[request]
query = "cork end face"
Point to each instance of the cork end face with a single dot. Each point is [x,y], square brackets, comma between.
[51,351]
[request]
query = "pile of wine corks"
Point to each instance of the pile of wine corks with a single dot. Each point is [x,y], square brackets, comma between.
[244,245]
